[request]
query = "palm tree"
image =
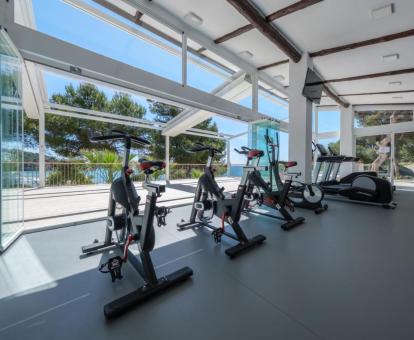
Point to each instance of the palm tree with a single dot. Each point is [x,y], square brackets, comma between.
[107,160]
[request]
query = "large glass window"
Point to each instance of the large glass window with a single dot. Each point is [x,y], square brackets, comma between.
[154,54]
[404,156]
[376,118]
[329,121]
[11,143]
[375,153]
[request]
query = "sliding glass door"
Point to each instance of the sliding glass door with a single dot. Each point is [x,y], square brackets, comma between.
[11,143]
[404,158]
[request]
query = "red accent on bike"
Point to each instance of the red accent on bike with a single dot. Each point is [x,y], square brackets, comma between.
[291,164]
[126,246]
[129,172]
[156,165]
[255,153]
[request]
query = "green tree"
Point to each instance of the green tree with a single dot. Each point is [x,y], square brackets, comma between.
[180,144]
[66,136]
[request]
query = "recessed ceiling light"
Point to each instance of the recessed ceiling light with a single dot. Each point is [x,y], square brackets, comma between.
[246,54]
[395,83]
[399,97]
[193,19]
[390,57]
[279,77]
[382,12]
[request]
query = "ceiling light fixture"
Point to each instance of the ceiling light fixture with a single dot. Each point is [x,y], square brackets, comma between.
[390,57]
[395,83]
[193,19]
[279,77]
[382,12]
[246,54]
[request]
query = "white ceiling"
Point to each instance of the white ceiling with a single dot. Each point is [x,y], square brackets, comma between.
[327,24]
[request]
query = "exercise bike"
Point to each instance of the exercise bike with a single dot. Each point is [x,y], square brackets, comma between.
[302,195]
[211,199]
[133,227]
[259,192]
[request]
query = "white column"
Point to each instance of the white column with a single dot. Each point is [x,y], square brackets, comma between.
[167,159]
[300,119]
[184,60]
[347,140]
[228,156]
[42,150]
[255,92]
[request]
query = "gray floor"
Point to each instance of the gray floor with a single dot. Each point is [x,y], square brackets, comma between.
[347,274]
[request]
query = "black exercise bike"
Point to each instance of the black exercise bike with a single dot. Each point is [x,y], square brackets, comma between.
[133,227]
[210,200]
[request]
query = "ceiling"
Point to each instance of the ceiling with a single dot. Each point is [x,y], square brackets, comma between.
[326,24]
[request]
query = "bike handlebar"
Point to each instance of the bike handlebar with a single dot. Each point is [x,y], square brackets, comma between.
[198,147]
[119,135]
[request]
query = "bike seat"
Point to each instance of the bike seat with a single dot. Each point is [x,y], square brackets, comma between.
[254,153]
[290,164]
[152,166]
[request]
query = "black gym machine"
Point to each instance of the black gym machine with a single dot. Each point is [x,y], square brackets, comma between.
[227,207]
[133,227]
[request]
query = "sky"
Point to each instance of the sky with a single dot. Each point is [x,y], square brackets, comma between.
[56,18]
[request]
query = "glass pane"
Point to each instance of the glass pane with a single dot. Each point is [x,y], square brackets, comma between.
[375,118]
[11,141]
[404,157]
[375,153]
[329,121]
[127,42]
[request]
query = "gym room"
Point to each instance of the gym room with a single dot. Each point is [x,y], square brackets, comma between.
[222,169]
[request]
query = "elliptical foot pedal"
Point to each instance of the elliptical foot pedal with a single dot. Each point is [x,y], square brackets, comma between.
[125,303]
[292,224]
[237,249]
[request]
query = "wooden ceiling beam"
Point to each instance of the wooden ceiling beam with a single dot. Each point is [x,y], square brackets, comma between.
[297,6]
[277,63]
[369,76]
[374,93]
[245,8]
[364,43]
[334,96]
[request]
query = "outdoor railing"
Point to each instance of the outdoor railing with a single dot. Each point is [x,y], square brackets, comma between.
[78,173]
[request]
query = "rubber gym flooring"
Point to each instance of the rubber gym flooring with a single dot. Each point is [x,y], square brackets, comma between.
[346,274]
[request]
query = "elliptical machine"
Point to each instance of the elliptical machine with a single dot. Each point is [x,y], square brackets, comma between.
[210,197]
[259,192]
[302,195]
[359,187]
[133,227]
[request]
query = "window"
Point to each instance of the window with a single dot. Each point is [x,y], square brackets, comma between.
[376,118]
[329,121]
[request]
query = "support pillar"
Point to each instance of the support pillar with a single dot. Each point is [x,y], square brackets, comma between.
[228,162]
[300,119]
[347,140]
[255,92]
[184,60]
[167,159]
[42,150]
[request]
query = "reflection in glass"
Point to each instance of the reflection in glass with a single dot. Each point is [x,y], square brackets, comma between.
[11,141]
[375,153]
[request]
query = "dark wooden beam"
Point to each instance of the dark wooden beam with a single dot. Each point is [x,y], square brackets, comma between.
[234,33]
[359,44]
[374,93]
[104,3]
[245,8]
[277,63]
[297,6]
[334,97]
[369,76]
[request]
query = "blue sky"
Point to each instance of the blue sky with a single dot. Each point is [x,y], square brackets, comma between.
[62,21]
